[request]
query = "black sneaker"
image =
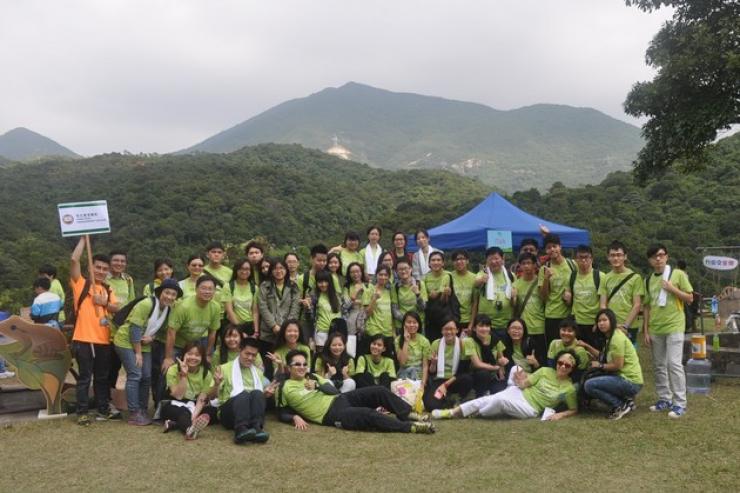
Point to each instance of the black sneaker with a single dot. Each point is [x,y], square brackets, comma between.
[261,437]
[619,412]
[245,435]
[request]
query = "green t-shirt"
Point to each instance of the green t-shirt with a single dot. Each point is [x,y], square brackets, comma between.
[466,293]
[547,390]
[419,349]
[586,298]
[282,351]
[223,273]
[224,391]
[434,283]
[311,405]
[325,314]
[320,366]
[385,365]
[582,355]
[449,351]
[406,300]
[555,306]
[57,289]
[621,302]
[533,313]
[150,287]
[473,348]
[350,257]
[232,355]
[668,319]
[192,322]
[499,316]
[621,346]
[242,299]
[519,358]
[139,315]
[123,288]
[197,384]
[188,288]
[381,320]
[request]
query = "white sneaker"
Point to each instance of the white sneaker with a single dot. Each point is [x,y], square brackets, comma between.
[7,374]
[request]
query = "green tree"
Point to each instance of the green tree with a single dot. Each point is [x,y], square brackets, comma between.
[696,91]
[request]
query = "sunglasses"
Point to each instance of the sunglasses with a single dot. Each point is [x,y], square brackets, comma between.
[565,364]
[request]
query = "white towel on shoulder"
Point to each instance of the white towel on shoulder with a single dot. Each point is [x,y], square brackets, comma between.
[491,286]
[441,357]
[663,296]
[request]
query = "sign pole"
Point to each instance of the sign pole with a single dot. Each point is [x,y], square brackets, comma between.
[90,272]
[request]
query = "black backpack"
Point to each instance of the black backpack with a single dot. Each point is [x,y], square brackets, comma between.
[594,272]
[121,315]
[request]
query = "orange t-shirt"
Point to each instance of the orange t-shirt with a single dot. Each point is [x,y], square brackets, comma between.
[88,327]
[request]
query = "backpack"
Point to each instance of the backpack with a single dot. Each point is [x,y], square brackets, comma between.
[594,272]
[121,315]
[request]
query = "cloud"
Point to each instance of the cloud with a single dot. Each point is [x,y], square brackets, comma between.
[157,76]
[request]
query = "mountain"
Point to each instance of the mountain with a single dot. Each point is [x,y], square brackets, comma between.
[174,205]
[21,144]
[533,146]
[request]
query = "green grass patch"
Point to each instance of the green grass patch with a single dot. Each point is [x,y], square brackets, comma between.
[643,451]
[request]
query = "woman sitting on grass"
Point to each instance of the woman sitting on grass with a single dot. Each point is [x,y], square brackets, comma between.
[289,338]
[485,352]
[374,368]
[517,350]
[335,364]
[191,386]
[529,397]
[619,387]
[448,367]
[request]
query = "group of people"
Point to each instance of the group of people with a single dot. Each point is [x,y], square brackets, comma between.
[540,336]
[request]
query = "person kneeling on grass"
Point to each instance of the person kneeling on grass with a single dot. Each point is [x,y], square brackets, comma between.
[242,389]
[307,397]
[374,368]
[529,397]
[190,384]
[449,366]
[623,380]
[335,364]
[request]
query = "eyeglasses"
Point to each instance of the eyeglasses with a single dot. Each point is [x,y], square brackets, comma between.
[565,364]
[299,365]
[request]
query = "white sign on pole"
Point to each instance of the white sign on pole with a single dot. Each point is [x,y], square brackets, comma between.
[84,218]
[715,262]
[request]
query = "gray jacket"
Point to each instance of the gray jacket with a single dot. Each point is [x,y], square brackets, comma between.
[274,310]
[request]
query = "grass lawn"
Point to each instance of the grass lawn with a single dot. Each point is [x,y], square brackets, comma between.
[643,451]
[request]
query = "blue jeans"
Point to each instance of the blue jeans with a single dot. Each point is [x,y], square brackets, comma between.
[611,389]
[2,366]
[138,380]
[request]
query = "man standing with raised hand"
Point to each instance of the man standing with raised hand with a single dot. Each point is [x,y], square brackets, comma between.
[622,290]
[666,291]
[91,338]
[584,291]
[552,282]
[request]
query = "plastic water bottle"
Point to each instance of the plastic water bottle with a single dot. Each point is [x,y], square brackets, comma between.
[698,376]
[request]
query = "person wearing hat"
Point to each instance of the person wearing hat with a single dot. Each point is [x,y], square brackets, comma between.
[133,341]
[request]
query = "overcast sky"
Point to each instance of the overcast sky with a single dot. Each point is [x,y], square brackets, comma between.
[157,76]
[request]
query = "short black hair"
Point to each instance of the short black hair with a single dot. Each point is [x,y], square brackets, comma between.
[483,319]
[206,278]
[457,253]
[529,241]
[214,245]
[584,249]
[118,252]
[551,239]
[318,250]
[249,341]
[568,322]
[527,256]
[48,269]
[293,353]
[351,235]
[254,244]
[375,226]
[43,283]
[655,248]
[99,257]
[494,250]
[616,245]
[681,264]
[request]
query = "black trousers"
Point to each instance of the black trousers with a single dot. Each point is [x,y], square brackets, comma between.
[267,347]
[182,417]
[246,410]
[540,346]
[552,329]
[158,380]
[486,381]
[115,368]
[367,380]
[93,361]
[592,337]
[356,410]
[463,384]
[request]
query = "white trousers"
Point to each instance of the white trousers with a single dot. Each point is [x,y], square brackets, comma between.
[508,402]
[670,379]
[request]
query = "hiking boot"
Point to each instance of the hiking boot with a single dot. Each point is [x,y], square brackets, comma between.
[661,405]
[619,411]
[198,425]
[413,416]
[262,436]
[423,428]
[245,435]
[83,420]
[676,411]
[139,419]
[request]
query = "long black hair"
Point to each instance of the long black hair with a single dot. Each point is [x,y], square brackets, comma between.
[348,279]
[223,353]
[509,343]
[328,358]
[325,276]
[486,350]
[284,327]
[202,350]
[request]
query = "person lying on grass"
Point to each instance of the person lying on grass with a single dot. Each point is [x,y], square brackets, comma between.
[307,397]
[242,389]
[191,386]
[529,397]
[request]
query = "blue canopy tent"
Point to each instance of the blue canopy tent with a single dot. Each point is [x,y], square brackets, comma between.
[470,231]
